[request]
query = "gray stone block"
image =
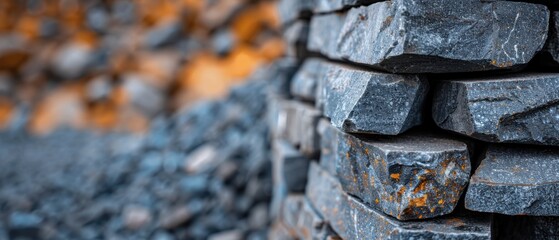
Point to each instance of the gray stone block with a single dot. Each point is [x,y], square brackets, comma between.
[295,36]
[328,145]
[517,109]
[552,46]
[301,218]
[352,219]
[324,6]
[360,101]
[289,173]
[440,36]
[291,10]
[516,181]
[324,32]
[411,176]
[298,125]
[304,84]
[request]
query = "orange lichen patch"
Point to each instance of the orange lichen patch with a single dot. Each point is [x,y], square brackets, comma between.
[401,191]
[6,111]
[63,106]
[419,202]
[377,201]
[367,151]
[395,176]
[420,187]
[441,202]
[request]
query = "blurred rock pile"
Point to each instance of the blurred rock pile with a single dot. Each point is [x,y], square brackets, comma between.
[116,64]
[200,174]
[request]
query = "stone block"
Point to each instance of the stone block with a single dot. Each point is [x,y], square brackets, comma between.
[289,173]
[411,176]
[304,84]
[324,31]
[295,36]
[352,219]
[440,36]
[516,181]
[516,108]
[361,101]
[291,10]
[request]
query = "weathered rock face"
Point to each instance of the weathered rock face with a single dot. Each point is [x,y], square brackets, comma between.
[304,84]
[552,46]
[352,219]
[295,37]
[324,32]
[297,123]
[289,173]
[429,35]
[290,10]
[328,145]
[516,181]
[360,101]
[301,218]
[516,109]
[412,176]
[323,6]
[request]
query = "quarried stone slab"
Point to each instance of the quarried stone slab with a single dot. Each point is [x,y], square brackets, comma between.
[516,108]
[324,6]
[552,46]
[328,145]
[352,219]
[299,216]
[289,173]
[440,36]
[360,101]
[515,180]
[291,10]
[298,125]
[324,32]
[411,176]
[304,84]
[295,36]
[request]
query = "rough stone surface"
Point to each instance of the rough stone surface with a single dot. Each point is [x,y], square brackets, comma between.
[411,176]
[361,101]
[324,31]
[429,35]
[552,46]
[289,173]
[517,109]
[324,6]
[525,227]
[352,219]
[290,10]
[298,125]
[301,218]
[295,36]
[516,181]
[304,84]
[328,145]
